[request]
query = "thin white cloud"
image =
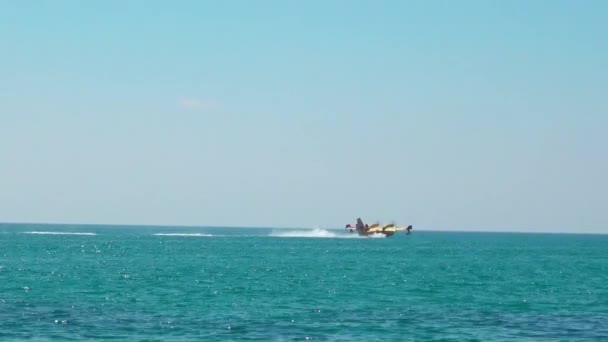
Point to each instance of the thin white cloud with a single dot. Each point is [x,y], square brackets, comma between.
[195,104]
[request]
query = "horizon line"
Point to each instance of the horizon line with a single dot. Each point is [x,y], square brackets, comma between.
[444,230]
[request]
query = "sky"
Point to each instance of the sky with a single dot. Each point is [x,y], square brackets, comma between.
[468,115]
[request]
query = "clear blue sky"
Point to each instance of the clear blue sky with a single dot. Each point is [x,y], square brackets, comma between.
[482,115]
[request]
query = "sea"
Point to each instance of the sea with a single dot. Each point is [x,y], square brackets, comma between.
[136,283]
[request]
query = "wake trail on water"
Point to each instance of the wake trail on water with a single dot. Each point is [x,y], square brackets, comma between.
[377,236]
[316,233]
[59,233]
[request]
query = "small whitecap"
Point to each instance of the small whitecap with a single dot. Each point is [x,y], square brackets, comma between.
[184,234]
[59,233]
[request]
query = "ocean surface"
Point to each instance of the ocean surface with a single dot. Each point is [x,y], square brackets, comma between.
[71,282]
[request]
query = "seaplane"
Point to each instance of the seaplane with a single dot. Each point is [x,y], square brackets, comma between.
[376,228]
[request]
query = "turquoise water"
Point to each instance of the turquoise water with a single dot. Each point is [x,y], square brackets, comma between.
[231,284]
